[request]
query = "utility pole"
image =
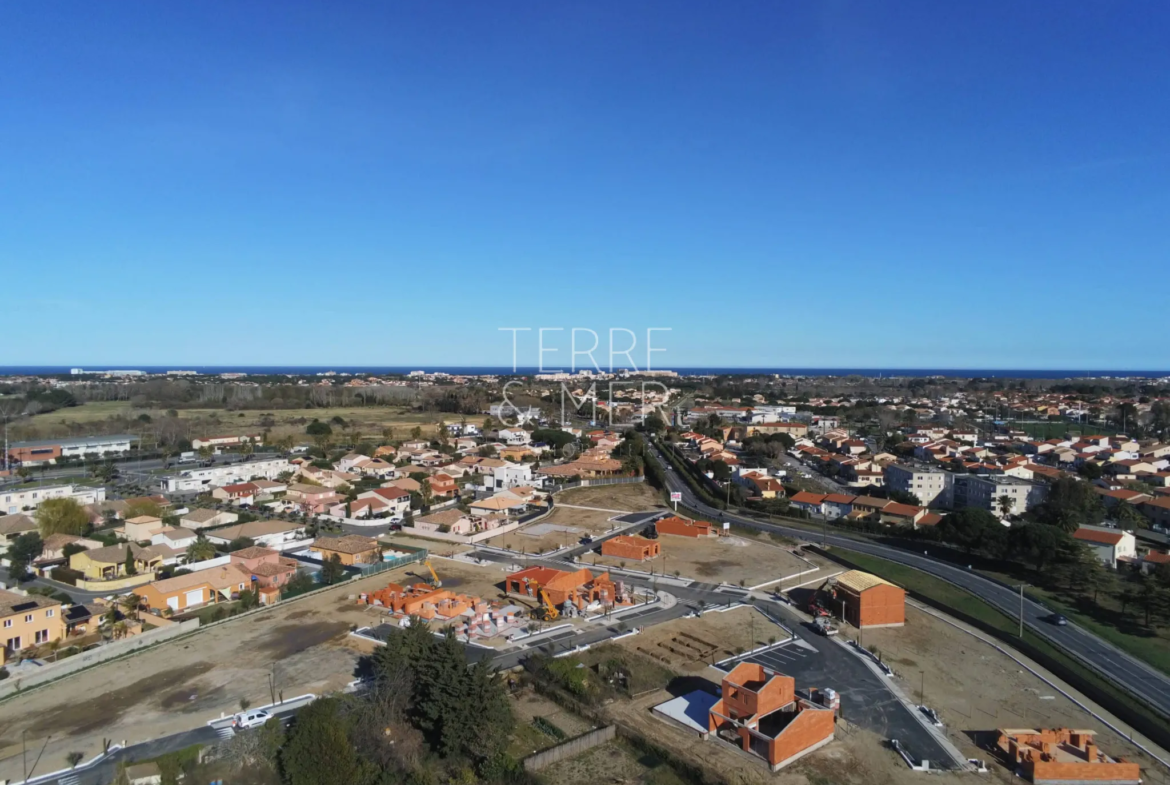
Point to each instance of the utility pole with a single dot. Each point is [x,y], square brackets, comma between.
[1022,585]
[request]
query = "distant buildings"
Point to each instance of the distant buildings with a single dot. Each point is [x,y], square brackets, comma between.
[204,479]
[51,450]
[18,498]
[926,484]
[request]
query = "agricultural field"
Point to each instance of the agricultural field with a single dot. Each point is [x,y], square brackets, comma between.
[368,421]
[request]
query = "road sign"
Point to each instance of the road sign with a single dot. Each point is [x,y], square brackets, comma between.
[675,496]
[726,526]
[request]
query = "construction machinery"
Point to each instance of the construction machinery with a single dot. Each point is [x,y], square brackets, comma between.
[434,575]
[823,625]
[547,610]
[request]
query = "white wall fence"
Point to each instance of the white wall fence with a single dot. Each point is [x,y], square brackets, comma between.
[22,680]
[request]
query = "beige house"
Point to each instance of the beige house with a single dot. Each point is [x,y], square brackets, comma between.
[205,519]
[28,620]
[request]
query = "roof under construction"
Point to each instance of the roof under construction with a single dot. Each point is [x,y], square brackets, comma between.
[859,581]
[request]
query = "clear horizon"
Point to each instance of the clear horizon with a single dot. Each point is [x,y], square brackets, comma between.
[956,186]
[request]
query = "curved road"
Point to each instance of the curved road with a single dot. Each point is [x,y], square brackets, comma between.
[1133,675]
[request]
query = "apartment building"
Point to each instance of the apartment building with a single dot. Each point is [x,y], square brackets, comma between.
[215,476]
[927,484]
[985,492]
[49,450]
[18,498]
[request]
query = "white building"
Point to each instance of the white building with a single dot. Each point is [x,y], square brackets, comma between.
[216,476]
[514,437]
[1107,544]
[225,441]
[14,500]
[985,492]
[509,476]
[48,450]
[926,484]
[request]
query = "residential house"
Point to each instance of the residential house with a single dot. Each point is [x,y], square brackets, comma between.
[455,521]
[514,436]
[16,498]
[502,503]
[194,589]
[174,537]
[108,563]
[313,499]
[239,493]
[206,519]
[761,712]
[141,528]
[812,503]
[683,527]
[266,567]
[28,620]
[632,547]
[507,476]
[350,549]
[53,547]
[1108,545]
[443,484]
[1062,756]
[397,500]
[927,484]
[12,526]
[270,534]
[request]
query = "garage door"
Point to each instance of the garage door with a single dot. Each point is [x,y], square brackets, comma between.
[173,603]
[194,597]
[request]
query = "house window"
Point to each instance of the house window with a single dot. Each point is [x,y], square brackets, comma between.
[42,636]
[49,613]
[28,617]
[7,623]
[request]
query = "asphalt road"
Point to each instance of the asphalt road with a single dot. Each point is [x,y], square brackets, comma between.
[1133,675]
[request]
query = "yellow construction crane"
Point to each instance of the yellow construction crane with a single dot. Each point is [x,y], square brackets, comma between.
[549,611]
[434,575]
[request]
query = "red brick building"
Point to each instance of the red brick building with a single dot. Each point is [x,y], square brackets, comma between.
[761,710]
[869,601]
[629,547]
[683,527]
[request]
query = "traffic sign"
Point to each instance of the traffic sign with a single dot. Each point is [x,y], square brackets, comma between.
[675,496]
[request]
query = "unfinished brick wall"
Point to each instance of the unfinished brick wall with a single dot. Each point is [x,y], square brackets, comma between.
[877,606]
[808,729]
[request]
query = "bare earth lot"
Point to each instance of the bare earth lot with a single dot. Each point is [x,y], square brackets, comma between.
[631,497]
[728,559]
[434,547]
[178,685]
[976,688]
[690,645]
[539,537]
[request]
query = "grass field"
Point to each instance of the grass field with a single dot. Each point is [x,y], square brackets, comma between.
[368,420]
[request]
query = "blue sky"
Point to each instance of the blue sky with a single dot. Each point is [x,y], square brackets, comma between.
[830,184]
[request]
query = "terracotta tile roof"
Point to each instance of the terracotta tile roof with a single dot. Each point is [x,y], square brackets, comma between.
[350,543]
[1102,538]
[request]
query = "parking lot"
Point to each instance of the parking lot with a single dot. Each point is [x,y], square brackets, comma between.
[865,701]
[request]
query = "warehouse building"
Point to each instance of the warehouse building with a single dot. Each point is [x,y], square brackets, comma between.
[50,450]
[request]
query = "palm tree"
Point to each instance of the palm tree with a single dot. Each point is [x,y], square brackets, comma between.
[120,630]
[130,605]
[247,448]
[200,550]
[1006,503]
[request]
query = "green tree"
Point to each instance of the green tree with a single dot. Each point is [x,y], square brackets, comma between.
[23,552]
[200,550]
[61,516]
[971,529]
[1128,516]
[1070,504]
[141,507]
[131,567]
[332,570]
[415,432]
[248,599]
[1036,543]
[318,428]
[442,699]
[1006,504]
[318,751]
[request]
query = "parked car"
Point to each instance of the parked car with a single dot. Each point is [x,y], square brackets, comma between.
[250,719]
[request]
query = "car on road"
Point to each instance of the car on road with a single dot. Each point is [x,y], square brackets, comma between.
[585,540]
[1058,619]
[251,719]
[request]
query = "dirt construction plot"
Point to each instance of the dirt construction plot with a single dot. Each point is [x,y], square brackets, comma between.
[178,685]
[563,526]
[690,645]
[976,688]
[434,547]
[728,559]
[631,497]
